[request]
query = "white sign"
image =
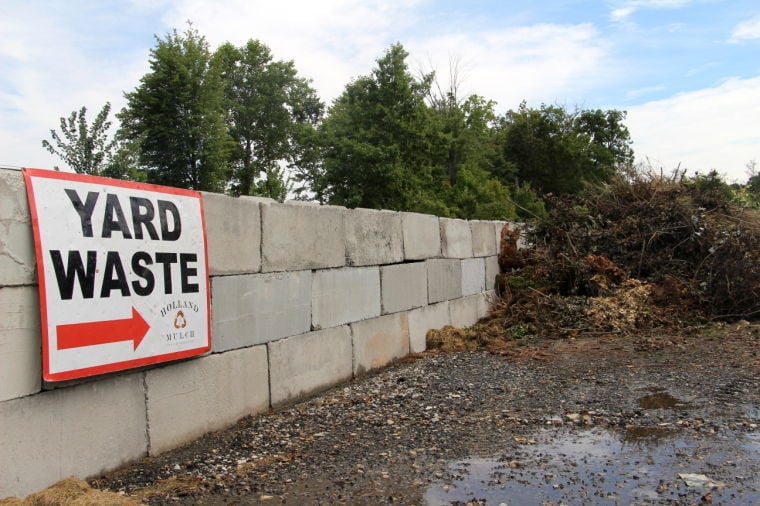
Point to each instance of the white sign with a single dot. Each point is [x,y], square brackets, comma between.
[123,273]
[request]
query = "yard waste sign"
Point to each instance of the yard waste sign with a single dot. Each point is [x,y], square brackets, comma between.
[123,273]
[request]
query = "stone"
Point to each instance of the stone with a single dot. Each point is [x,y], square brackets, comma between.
[444,279]
[473,276]
[492,270]
[468,310]
[422,236]
[233,234]
[456,238]
[421,320]
[379,341]
[81,430]
[258,308]
[188,399]
[20,342]
[404,286]
[308,363]
[298,237]
[345,295]
[17,256]
[373,237]
[483,238]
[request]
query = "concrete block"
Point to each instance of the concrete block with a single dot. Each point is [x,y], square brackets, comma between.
[233,232]
[347,295]
[258,308]
[81,431]
[308,363]
[20,342]
[492,270]
[483,238]
[444,279]
[473,276]
[421,320]
[498,226]
[373,237]
[456,238]
[379,341]
[422,236]
[298,237]
[17,260]
[404,286]
[188,399]
[467,311]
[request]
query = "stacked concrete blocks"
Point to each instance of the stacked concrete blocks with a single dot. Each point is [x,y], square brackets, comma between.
[303,297]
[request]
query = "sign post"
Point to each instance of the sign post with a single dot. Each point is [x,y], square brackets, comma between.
[123,273]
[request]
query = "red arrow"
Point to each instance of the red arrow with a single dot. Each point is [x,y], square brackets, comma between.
[77,335]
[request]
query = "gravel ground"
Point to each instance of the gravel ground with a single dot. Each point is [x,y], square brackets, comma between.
[606,420]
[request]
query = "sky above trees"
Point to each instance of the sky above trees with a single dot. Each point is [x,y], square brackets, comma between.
[686,71]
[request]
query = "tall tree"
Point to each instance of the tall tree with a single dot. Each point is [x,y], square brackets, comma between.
[268,105]
[176,115]
[375,138]
[556,151]
[82,146]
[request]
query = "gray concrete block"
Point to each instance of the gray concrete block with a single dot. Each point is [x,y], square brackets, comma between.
[308,363]
[20,342]
[17,260]
[473,276]
[298,237]
[344,295]
[444,279]
[233,233]
[421,320]
[404,286]
[373,237]
[258,308]
[81,431]
[456,238]
[467,311]
[492,270]
[498,226]
[379,341]
[188,399]
[422,236]
[483,238]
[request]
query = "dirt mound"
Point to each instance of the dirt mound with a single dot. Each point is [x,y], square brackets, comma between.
[70,492]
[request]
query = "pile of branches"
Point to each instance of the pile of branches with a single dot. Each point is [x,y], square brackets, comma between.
[703,251]
[622,258]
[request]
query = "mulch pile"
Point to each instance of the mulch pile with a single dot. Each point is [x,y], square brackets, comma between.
[630,257]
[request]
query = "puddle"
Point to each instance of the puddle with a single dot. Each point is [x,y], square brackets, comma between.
[596,466]
[661,400]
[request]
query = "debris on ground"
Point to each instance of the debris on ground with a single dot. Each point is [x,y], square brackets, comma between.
[70,492]
[634,257]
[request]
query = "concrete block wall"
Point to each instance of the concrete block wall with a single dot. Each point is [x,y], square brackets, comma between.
[303,297]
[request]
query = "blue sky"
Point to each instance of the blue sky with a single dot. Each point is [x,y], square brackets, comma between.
[687,71]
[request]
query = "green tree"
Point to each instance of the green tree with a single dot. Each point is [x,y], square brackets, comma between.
[176,116]
[268,106]
[375,139]
[557,151]
[82,146]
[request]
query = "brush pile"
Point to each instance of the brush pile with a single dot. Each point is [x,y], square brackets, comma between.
[623,258]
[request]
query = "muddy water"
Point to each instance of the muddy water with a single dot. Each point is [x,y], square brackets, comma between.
[599,466]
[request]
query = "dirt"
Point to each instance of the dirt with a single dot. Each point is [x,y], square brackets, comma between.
[650,419]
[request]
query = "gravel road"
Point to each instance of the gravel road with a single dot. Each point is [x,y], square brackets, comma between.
[605,420]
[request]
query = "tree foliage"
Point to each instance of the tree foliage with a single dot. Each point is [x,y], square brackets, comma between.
[558,151]
[176,116]
[267,106]
[84,147]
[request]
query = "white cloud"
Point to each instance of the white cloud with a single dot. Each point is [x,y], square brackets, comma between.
[626,9]
[746,30]
[712,128]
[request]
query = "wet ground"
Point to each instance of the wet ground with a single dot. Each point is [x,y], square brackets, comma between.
[604,420]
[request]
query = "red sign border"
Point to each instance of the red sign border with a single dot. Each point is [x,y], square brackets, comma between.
[30,173]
